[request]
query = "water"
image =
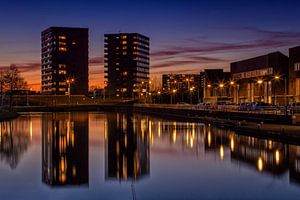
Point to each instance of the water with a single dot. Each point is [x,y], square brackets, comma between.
[130,156]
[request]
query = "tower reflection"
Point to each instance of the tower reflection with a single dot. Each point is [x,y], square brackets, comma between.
[127,151]
[15,138]
[65,149]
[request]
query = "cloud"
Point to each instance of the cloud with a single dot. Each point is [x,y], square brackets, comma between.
[96,61]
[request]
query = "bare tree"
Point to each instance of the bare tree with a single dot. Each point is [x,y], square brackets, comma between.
[13,81]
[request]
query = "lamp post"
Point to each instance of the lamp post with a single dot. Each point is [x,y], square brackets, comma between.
[158,94]
[173,94]
[232,86]
[221,86]
[191,92]
[260,92]
[69,82]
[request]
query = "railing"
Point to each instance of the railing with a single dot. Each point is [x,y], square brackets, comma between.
[273,110]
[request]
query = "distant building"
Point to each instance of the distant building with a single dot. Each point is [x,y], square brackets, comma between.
[65,61]
[294,73]
[215,85]
[263,78]
[183,87]
[180,82]
[127,65]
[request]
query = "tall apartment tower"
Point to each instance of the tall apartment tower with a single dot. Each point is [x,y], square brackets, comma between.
[65,61]
[126,57]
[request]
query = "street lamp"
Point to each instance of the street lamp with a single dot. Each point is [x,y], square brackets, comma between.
[191,92]
[259,83]
[174,92]
[69,82]
[221,86]
[285,89]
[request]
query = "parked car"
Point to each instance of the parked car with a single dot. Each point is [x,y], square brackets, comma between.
[204,105]
[294,107]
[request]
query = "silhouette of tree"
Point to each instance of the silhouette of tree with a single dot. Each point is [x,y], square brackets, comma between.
[13,81]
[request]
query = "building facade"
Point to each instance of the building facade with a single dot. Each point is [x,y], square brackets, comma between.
[126,57]
[261,79]
[294,73]
[64,61]
[215,85]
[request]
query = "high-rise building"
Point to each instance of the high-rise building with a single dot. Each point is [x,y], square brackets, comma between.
[127,64]
[65,61]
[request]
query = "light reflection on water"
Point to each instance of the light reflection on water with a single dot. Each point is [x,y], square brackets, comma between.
[130,156]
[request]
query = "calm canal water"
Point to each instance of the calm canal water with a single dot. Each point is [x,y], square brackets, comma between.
[130,156]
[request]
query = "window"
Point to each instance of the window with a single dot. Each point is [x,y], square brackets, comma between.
[297,67]
[124,53]
[124,42]
[124,47]
[124,37]
[62,37]
[62,49]
[61,66]
[62,72]
[62,43]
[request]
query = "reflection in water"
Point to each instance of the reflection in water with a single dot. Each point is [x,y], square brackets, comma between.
[265,156]
[127,154]
[15,137]
[65,148]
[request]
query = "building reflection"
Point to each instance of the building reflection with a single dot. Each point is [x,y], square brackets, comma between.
[15,138]
[262,155]
[127,151]
[65,149]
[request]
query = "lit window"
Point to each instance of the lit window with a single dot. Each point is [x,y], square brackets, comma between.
[124,42]
[62,43]
[125,73]
[62,89]
[61,66]
[74,43]
[297,67]
[124,37]
[62,37]
[62,72]
[124,53]
[62,49]
[62,83]
[124,47]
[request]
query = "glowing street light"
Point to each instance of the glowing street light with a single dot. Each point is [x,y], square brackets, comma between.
[221,85]
[277,77]
[259,81]
[231,83]
[209,85]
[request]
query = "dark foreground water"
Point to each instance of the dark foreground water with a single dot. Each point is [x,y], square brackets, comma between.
[129,156]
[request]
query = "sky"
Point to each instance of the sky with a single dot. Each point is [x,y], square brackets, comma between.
[186,36]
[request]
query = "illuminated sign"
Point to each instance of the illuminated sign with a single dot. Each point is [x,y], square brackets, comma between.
[253,73]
